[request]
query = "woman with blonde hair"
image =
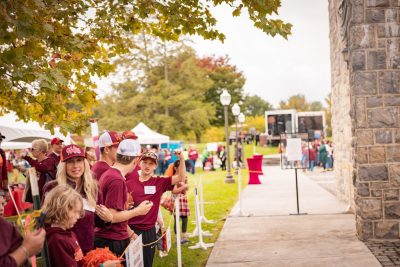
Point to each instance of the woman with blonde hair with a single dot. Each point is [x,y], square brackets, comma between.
[74,171]
[45,166]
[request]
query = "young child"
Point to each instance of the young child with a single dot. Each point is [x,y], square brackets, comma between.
[179,191]
[63,206]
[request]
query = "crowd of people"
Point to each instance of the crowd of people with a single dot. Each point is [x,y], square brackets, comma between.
[313,154]
[89,203]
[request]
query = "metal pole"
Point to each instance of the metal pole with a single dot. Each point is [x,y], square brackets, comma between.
[229,178]
[237,147]
[297,192]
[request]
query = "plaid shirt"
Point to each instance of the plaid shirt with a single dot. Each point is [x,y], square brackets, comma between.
[184,209]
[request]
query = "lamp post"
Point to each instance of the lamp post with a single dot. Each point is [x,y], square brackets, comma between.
[235,112]
[241,119]
[225,98]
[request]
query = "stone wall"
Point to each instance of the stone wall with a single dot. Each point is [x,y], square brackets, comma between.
[341,107]
[373,136]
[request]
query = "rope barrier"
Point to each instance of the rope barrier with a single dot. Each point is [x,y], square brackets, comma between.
[156,241]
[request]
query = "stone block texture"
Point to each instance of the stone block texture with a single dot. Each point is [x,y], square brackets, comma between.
[365,65]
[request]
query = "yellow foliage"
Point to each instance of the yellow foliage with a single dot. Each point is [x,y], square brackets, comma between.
[257,122]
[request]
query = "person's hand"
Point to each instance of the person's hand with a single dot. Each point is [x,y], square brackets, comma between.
[185,187]
[144,207]
[104,213]
[179,153]
[113,263]
[33,243]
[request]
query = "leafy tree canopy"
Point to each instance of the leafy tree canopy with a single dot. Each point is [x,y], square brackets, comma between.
[225,76]
[255,106]
[50,50]
[174,106]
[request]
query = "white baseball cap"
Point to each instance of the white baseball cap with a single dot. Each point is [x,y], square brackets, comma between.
[129,147]
[109,138]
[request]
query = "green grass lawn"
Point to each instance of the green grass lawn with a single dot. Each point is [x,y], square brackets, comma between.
[222,197]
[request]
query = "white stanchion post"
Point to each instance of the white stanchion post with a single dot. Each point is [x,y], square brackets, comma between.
[203,217]
[200,244]
[196,229]
[240,212]
[178,231]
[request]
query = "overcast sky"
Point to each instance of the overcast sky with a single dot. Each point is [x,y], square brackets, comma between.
[275,68]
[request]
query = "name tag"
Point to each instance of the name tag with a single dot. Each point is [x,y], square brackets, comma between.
[149,190]
[87,206]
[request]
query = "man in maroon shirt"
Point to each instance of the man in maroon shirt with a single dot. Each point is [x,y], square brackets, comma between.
[150,188]
[56,147]
[115,196]
[3,167]
[193,156]
[108,143]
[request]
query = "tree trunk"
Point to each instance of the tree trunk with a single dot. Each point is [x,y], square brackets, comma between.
[198,137]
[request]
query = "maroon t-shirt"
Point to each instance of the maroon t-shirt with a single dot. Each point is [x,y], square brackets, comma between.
[10,240]
[152,190]
[84,228]
[114,192]
[193,154]
[99,168]
[55,157]
[46,171]
[64,249]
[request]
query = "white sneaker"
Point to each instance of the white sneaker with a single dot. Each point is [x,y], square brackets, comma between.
[162,254]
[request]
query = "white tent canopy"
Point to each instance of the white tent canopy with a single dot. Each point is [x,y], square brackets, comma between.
[20,134]
[147,136]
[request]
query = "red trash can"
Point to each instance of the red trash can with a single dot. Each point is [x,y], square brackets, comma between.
[253,172]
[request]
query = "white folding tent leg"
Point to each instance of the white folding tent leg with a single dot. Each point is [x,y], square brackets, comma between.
[203,217]
[199,244]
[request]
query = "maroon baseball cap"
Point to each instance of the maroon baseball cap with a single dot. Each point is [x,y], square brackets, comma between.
[56,140]
[72,151]
[129,135]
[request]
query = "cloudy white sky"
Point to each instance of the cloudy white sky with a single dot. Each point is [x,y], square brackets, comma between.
[275,68]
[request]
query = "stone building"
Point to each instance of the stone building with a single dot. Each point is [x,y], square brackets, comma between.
[365,62]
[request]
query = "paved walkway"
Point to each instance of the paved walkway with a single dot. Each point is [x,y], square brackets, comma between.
[273,237]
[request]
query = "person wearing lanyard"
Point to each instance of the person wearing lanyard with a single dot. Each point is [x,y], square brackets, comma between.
[148,187]
[115,197]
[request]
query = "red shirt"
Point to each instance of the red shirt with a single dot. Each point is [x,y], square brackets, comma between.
[64,249]
[11,239]
[193,154]
[136,189]
[114,192]
[55,157]
[46,170]
[99,168]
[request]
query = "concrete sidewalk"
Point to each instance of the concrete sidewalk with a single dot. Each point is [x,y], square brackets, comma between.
[272,237]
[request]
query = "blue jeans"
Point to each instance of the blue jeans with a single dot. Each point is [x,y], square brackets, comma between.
[311,166]
[193,162]
[329,163]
